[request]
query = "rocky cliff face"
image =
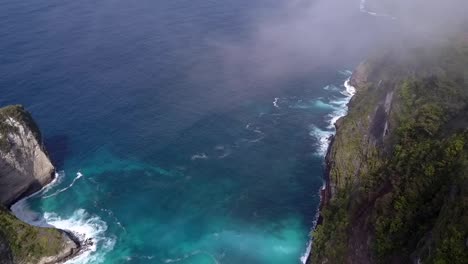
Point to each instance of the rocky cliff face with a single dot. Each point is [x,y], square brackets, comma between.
[24,165]
[397,187]
[24,169]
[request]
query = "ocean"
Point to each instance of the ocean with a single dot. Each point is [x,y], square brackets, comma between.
[163,154]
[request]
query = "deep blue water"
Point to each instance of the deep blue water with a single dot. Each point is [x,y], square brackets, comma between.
[165,156]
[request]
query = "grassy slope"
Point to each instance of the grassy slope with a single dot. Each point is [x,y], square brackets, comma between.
[28,243]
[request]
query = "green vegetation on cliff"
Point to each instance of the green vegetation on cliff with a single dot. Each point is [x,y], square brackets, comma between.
[24,169]
[399,164]
[19,114]
[28,244]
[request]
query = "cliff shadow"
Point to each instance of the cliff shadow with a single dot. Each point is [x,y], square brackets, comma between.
[58,148]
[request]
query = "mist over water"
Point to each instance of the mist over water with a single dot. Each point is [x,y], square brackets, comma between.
[185,131]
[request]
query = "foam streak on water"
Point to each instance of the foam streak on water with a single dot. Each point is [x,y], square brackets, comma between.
[21,210]
[340,109]
[275,102]
[78,176]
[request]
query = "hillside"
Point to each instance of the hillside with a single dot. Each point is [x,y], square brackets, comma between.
[398,166]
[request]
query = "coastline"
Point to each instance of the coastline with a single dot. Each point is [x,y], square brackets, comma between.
[325,191]
[76,246]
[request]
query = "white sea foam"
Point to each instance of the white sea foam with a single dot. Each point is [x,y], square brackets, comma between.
[306,254]
[223,151]
[85,227]
[116,220]
[199,156]
[129,258]
[349,88]
[191,254]
[59,176]
[339,107]
[257,139]
[323,138]
[275,102]
[346,73]
[334,118]
[299,104]
[362,7]
[322,105]
[262,136]
[254,129]
[249,127]
[330,87]
[78,176]
[342,104]
[21,210]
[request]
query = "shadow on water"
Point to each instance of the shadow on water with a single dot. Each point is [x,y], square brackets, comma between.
[58,147]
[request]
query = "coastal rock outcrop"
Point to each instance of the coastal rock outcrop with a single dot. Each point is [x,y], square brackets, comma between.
[24,165]
[24,169]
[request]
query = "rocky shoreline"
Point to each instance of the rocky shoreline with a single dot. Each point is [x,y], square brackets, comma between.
[358,76]
[73,245]
[325,192]
[25,169]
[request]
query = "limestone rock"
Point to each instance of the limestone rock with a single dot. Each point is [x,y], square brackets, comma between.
[24,165]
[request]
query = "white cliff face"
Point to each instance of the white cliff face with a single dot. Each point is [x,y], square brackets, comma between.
[24,165]
[24,169]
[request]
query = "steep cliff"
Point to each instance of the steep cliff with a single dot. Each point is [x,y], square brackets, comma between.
[24,165]
[24,169]
[397,187]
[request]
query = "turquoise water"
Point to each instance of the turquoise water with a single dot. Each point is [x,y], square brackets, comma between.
[164,156]
[235,187]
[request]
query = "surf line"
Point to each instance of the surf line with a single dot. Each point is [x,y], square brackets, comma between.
[16,207]
[351,91]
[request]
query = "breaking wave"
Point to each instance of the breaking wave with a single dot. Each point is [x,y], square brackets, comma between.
[323,137]
[89,229]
